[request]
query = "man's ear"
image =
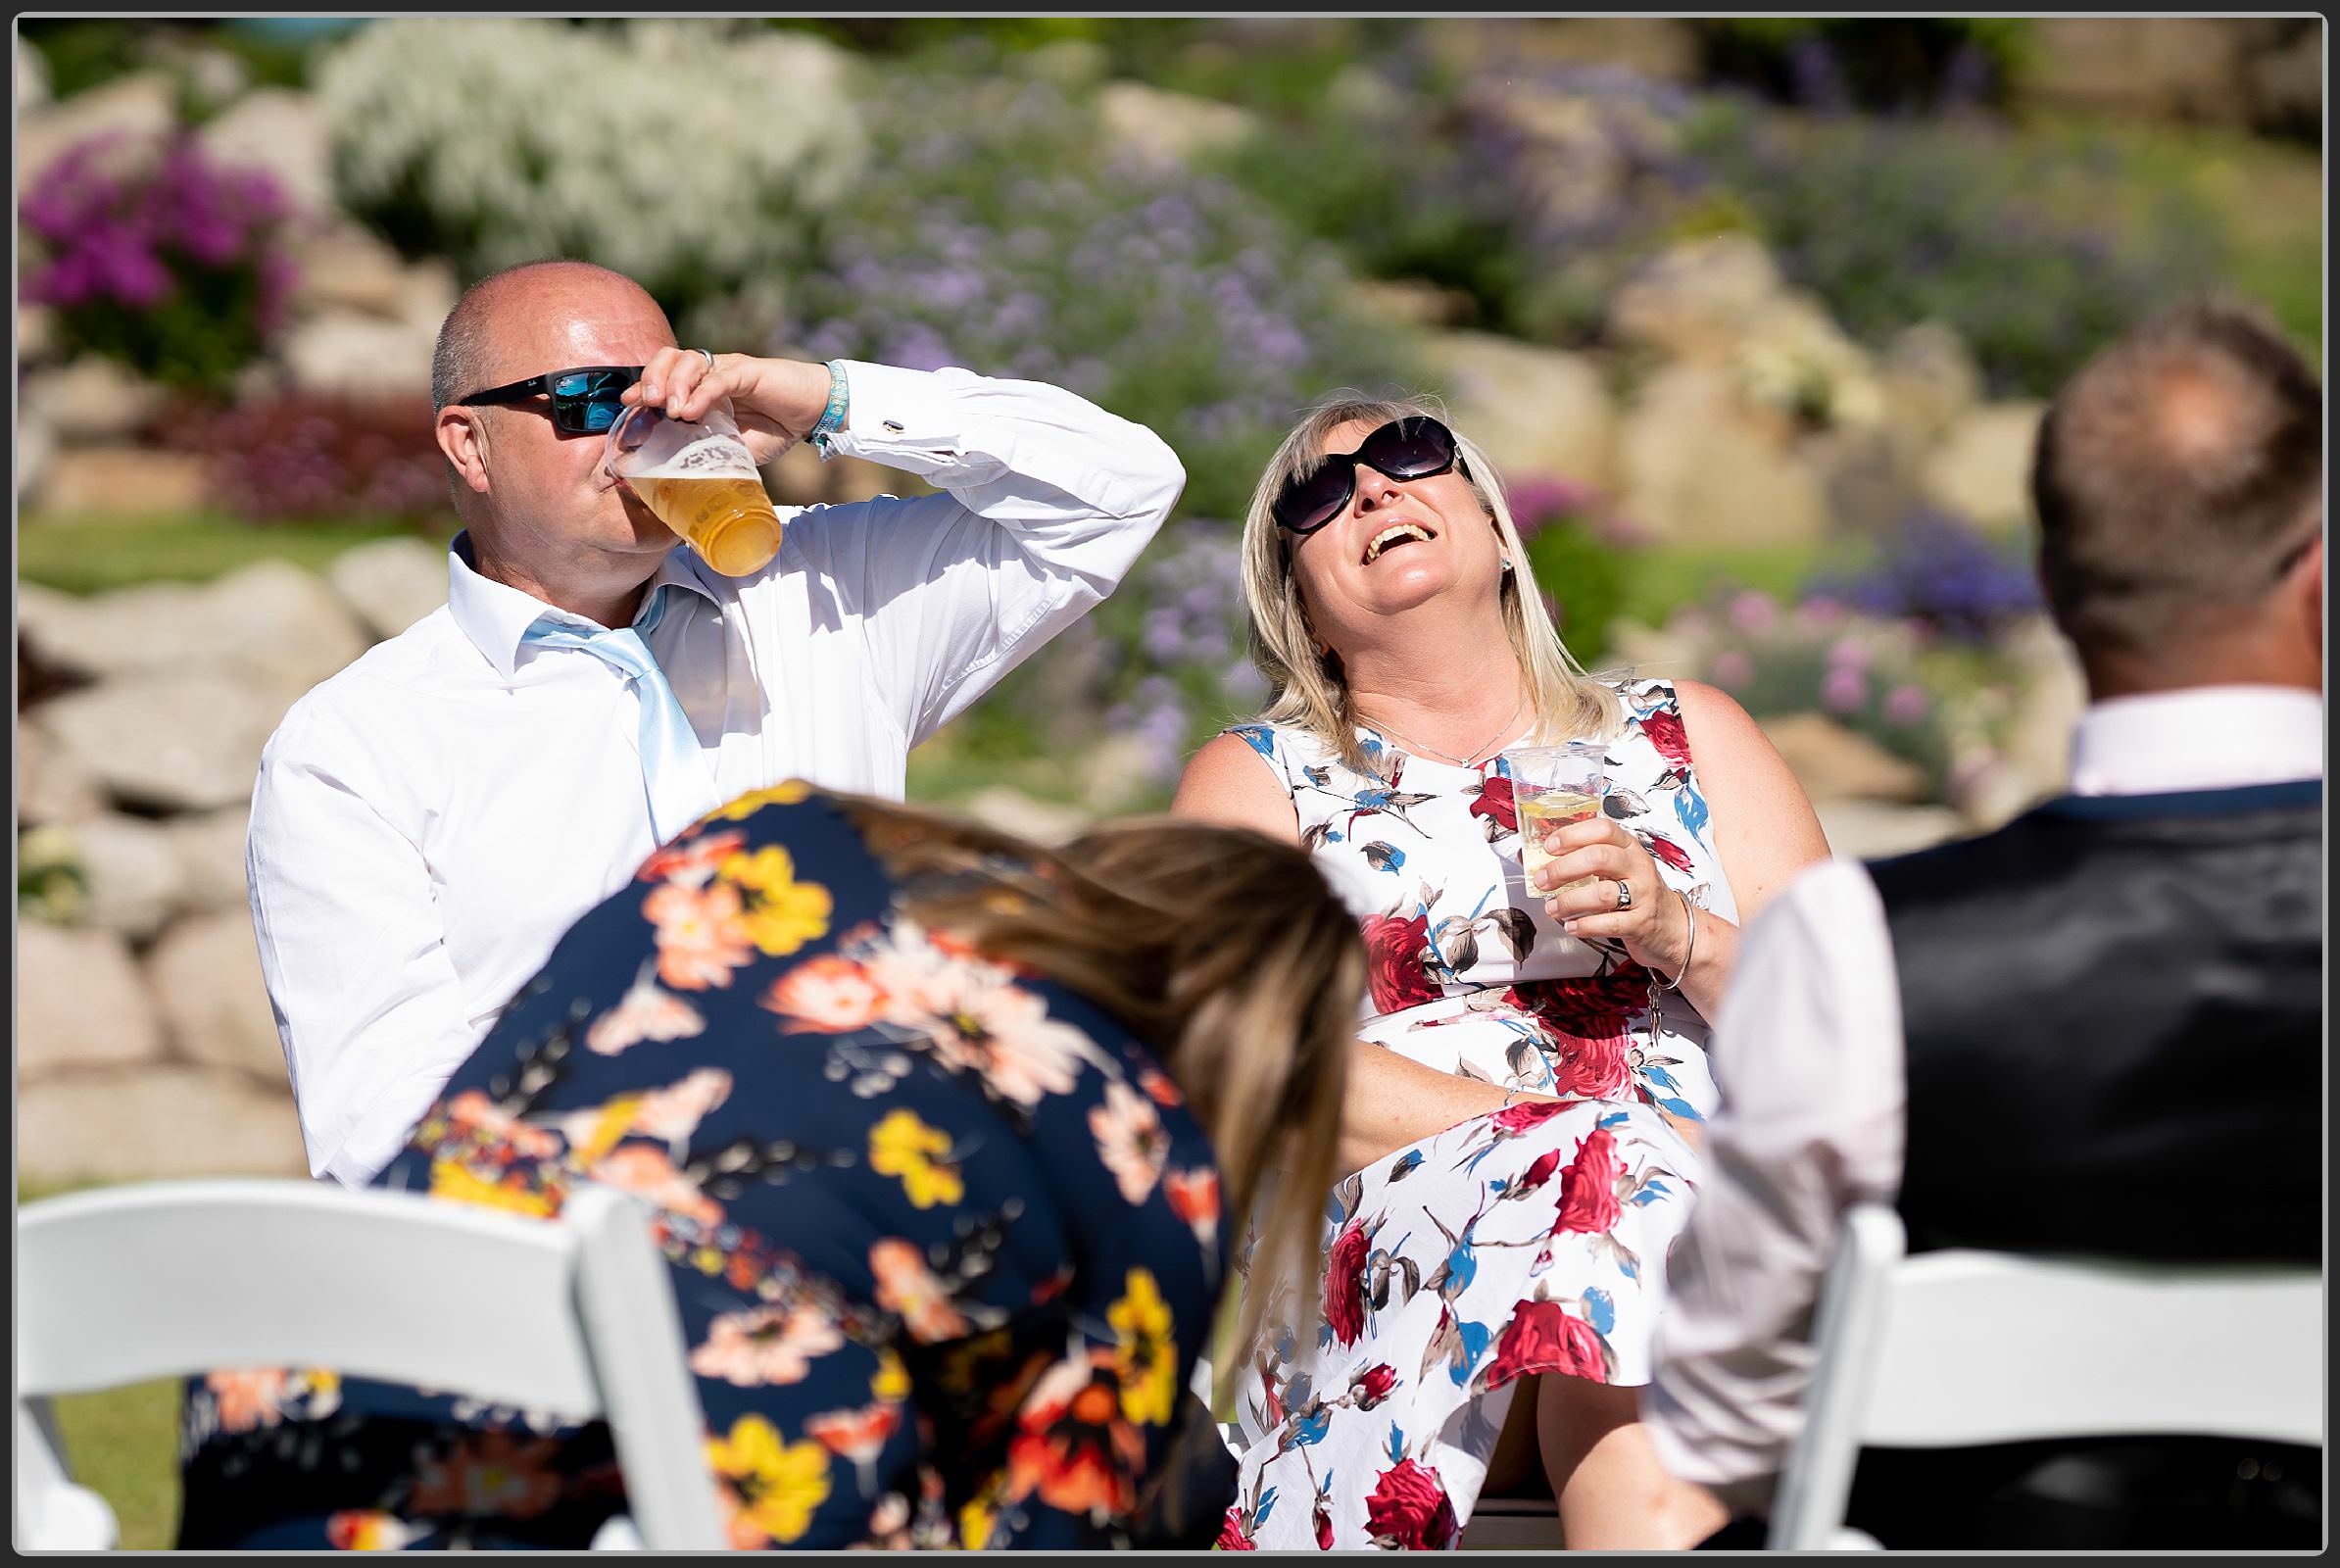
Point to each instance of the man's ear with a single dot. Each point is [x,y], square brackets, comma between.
[462,437]
[2307,581]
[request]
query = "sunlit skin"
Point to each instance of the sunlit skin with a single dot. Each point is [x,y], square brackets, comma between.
[543,517]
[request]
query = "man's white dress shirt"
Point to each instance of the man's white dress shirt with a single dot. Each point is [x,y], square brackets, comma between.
[1809,1055]
[430,821]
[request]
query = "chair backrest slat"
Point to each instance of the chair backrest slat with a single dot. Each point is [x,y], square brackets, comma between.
[1956,1349]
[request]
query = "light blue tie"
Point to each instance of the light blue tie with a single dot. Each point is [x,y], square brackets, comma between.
[674,774]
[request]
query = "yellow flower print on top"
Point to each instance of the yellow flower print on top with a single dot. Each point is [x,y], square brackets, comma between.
[1146,1357]
[975,1524]
[782,914]
[779,1485]
[892,1384]
[904,1146]
[788,793]
[451,1178]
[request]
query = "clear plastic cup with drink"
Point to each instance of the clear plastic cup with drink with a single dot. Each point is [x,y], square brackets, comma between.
[1552,786]
[700,478]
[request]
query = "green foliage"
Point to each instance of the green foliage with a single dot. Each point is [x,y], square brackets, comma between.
[1873,63]
[98,555]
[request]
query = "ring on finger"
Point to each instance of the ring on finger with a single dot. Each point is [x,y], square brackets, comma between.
[1625,894]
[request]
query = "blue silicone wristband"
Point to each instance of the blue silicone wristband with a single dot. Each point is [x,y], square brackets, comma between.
[832,418]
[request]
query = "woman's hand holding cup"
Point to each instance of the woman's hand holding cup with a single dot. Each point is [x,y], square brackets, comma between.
[1653,925]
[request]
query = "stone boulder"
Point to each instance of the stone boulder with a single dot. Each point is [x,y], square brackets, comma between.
[1983,468]
[271,622]
[344,352]
[390,583]
[1835,764]
[139,109]
[205,977]
[1867,830]
[280,132]
[1694,300]
[122,481]
[36,449]
[1013,811]
[1930,381]
[32,78]
[53,786]
[94,401]
[81,1001]
[1697,464]
[1170,127]
[2052,692]
[210,848]
[137,879]
[1538,412]
[344,268]
[183,742]
[156,1124]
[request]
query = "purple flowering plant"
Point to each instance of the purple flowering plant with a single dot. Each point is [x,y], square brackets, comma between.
[177,267]
[309,457]
[1942,572]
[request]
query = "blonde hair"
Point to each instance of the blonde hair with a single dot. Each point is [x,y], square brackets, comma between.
[1304,687]
[1224,950]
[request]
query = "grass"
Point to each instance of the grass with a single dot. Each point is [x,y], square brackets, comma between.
[87,555]
[122,1443]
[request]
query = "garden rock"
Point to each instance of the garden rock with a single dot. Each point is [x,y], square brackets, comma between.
[168,742]
[1835,764]
[141,110]
[133,872]
[282,623]
[123,481]
[390,583]
[2052,692]
[36,446]
[1931,380]
[1538,412]
[151,1124]
[52,786]
[1866,830]
[1694,300]
[80,1002]
[36,337]
[280,131]
[1170,127]
[341,351]
[94,401]
[1982,468]
[210,848]
[1698,465]
[269,620]
[32,78]
[207,986]
[1013,812]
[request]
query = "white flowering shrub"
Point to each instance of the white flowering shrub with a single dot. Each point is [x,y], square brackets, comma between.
[691,155]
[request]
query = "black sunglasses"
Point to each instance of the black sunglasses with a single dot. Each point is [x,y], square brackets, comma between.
[584,400]
[1415,447]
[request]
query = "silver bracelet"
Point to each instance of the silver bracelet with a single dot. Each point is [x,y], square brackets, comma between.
[1688,948]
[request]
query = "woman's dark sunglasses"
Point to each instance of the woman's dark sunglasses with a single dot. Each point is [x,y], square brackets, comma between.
[584,400]
[1412,448]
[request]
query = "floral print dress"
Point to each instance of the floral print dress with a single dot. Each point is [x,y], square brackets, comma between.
[943,1237]
[1530,1239]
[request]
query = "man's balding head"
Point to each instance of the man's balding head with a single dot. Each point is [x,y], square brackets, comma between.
[2178,475]
[522,310]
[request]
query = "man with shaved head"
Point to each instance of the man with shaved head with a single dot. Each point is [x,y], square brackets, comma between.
[2096,1031]
[428,821]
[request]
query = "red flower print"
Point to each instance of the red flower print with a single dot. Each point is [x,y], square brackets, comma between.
[1409,1510]
[1537,1174]
[1194,1197]
[1666,852]
[1665,732]
[1344,1284]
[1589,1186]
[1324,1526]
[1545,1336]
[1527,1113]
[1394,957]
[692,862]
[1372,1385]
[1231,1532]
[1585,1021]
[1072,1447]
[1496,801]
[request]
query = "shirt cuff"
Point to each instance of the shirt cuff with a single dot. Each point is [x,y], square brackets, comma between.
[891,410]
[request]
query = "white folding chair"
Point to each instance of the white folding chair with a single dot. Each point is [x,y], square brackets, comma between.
[1952,1349]
[573,1318]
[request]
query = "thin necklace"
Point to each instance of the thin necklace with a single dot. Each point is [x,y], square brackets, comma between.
[1458,762]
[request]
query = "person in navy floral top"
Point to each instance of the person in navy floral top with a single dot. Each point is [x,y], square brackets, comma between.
[947,1140]
[1522,1123]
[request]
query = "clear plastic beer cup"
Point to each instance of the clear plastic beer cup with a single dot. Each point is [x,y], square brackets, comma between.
[1552,786]
[701,480]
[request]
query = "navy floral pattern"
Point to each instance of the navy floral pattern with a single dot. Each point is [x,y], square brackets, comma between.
[943,1236]
[1529,1241]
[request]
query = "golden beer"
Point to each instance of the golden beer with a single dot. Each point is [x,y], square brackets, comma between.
[1550,808]
[728,519]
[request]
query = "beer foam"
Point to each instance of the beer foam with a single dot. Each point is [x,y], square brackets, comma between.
[714,456]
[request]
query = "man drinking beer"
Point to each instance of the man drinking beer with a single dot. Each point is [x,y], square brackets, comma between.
[429,820]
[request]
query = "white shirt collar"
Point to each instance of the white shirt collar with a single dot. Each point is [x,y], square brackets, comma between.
[495,614]
[2200,738]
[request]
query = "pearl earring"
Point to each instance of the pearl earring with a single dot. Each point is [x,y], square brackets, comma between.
[1507,562]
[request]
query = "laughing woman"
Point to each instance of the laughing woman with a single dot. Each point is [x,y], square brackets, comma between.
[1521,1117]
[936,1128]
